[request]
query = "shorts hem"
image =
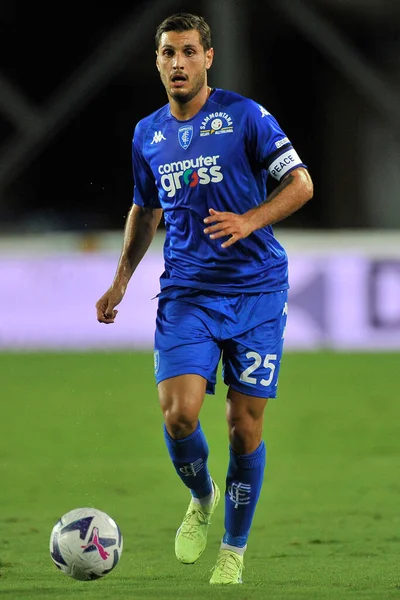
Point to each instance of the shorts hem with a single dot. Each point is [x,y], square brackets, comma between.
[189,371]
[250,391]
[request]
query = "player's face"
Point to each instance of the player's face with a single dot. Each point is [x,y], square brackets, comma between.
[183,63]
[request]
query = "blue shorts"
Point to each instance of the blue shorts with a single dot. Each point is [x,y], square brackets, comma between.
[195,329]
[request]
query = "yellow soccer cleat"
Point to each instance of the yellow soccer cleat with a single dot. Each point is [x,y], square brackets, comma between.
[228,569]
[191,537]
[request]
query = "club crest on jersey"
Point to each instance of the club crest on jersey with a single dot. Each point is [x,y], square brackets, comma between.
[216,124]
[185,136]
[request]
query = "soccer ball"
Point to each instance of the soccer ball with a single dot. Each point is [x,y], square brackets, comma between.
[86,544]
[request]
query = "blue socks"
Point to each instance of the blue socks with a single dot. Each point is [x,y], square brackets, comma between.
[243,482]
[189,456]
[243,487]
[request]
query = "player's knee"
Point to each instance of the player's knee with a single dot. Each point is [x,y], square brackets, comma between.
[179,424]
[244,435]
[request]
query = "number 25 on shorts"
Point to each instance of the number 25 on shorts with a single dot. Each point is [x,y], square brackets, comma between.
[268,364]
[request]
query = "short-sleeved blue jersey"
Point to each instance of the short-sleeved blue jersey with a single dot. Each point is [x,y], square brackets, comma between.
[218,159]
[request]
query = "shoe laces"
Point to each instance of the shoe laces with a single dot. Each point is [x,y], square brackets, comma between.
[190,525]
[230,564]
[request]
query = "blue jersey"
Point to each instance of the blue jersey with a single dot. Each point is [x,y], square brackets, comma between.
[219,159]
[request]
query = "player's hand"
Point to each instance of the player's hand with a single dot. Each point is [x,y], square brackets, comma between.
[227,224]
[105,307]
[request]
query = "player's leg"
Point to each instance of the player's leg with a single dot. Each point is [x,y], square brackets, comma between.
[181,398]
[247,459]
[251,366]
[186,360]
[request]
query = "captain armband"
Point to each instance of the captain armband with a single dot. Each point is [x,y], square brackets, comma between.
[284,163]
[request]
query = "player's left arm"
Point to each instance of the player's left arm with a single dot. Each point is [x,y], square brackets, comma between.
[295,189]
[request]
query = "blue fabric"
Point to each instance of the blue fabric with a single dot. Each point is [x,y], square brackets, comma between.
[189,457]
[243,486]
[194,329]
[218,159]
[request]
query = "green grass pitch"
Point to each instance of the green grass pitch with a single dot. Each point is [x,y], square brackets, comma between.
[86,430]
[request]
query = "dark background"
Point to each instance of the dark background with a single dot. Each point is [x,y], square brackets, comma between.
[80,178]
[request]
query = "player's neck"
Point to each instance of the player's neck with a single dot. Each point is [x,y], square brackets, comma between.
[183,112]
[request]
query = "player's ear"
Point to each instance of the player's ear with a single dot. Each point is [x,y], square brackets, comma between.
[209,57]
[157,65]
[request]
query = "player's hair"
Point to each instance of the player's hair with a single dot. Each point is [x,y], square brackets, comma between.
[183,21]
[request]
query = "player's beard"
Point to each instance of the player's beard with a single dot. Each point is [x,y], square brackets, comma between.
[184,97]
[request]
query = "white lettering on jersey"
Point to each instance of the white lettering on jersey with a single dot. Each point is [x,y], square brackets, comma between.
[284,163]
[216,123]
[189,172]
[282,142]
[192,163]
[158,137]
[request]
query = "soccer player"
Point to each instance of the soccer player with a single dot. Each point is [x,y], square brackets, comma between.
[202,160]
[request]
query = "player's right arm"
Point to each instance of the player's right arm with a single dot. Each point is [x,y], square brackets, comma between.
[140,229]
[141,226]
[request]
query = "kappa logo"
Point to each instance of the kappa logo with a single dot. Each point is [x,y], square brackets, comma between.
[185,136]
[264,112]
[216,124]
[158,137]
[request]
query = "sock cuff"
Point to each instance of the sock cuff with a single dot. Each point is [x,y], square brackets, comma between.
[190,437]
[236,541]
[249,461]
